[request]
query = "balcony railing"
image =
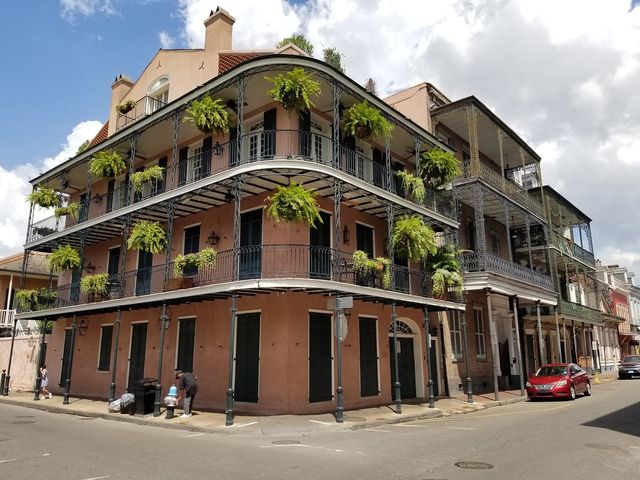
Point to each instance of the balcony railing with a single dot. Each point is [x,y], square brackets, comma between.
[256,147]
[7,318]
[568,247]
[506,186]
[472,262]
[265,262]
[579,311]
[144,106]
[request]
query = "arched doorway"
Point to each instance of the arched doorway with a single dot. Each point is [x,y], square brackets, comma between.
[409,356]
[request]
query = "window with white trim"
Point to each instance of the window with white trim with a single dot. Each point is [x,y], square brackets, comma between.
[158,95]
[478,323]
[456,336]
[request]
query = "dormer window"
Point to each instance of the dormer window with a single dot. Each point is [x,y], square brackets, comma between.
[158,95]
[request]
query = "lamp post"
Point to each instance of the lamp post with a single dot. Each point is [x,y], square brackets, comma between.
[342,309]
[232,340]
[164,321]
[466,357]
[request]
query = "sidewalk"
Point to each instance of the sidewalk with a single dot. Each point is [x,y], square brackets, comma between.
[211,422]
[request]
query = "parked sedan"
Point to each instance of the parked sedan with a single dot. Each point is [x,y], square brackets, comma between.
[629,367]
[559,380]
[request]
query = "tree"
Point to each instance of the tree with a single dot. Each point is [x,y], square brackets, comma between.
[334,58]
[299,41]
[370,86]
[83,147]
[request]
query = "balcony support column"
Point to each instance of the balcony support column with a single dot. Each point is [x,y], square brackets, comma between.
[232,341]
[575,343]
[465,352]
[527,222]
[390,219]
[555,311]
[495,352]
[396,372]
[23,275]
[237,192]
[164,317]
[240,91]
[584,347]
[30,221]
[114,359]
[335,97]
[564,336]
[508,229]
[176,120]
[503,167]
[126,229]
[387,162]
[431,368]
[474,151]
[481,240]
[132,159]
[513,301]
[337,199]
[38,384]
[416,148]
[540,340]
[67,381]
[170,216]
[88,206]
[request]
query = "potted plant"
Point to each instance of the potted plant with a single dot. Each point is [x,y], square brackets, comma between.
[147,236]
[26,299]
[362,120]
[366,268]
[107,164]
[446,270]
[65,257]
[46,298]
[44,197]
[294,204]
[208,115]
[125,107]
[294,89]
[412,238]
[138,179]
[413,185]
[182,262]
[72,209]
[439,167]
[43,231]
[96,284]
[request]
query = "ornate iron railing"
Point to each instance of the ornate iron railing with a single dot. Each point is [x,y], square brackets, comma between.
[7,318]
[256,147]
[472,262]
[579,311]
[144,106]
[568,247]
[252,262]
[506,186]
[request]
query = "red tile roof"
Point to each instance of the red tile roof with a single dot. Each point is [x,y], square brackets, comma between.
[101,135]
[227,61]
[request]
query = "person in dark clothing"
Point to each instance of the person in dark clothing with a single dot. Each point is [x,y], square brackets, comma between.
[188,385]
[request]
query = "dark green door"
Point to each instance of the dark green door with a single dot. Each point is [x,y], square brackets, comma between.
[406,366]
[186,341]
[247,357]
[368,357]
[320,359]
[433,365]
[143,275]
[320,244]
[66,353]
[136,354]
[251,244]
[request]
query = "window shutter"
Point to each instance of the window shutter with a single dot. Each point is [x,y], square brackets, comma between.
[110,188]
[182,165]
[233,146]
[207,143]
[269,143]
[160,185]
[305,133]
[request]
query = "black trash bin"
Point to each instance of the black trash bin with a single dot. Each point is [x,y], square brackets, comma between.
[145,393]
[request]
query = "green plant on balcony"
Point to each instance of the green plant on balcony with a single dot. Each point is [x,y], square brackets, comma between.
[413,185]
[46,297]
[125,107]
[65,257]
[413,238]
[447,274]
[72,210]
[294,89]
[439,167]
[26,299]
[44,197]
[294,204]
[208,115]
[204,259]
[96,284]
[148,237]
[364,267]
[107,164]
[362,120]
[138,179]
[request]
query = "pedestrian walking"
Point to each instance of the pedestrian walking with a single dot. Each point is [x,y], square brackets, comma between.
[188,385]
[44,383]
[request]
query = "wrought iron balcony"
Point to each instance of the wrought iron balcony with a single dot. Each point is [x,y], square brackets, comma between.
[256,147]
[472,262]
[265,262]
[144,106]
[504,185]
[567,247]
[579,311]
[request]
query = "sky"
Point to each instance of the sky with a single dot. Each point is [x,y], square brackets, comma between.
[564,74]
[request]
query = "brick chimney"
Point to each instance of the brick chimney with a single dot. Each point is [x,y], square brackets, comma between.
[120,87]
[217,36]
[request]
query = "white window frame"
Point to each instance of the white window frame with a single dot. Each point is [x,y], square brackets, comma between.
[455,330]
[478,325]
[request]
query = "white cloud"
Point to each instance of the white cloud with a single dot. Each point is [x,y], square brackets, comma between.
[166,40]
[15,186]
[74,8]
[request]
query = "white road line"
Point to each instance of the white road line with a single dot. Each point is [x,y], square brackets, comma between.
[98,478]
[633,446]
[376,430]
[9,460]
[322,423]
[46,454]
[404,425]
[460,428]
[301,445]
[193,435]
[244,425]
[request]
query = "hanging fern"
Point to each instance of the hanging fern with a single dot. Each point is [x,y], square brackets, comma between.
[362,120]
[148,237]
[294,204]
[95,284]
[138,179]
[208,115]
[44,197]
[439,167]
[26,299]
[72,210]
[107,164]
[413,238]
[413,185]
[294,89]
[125,107]
[446,270]
[65,257]
[204,259]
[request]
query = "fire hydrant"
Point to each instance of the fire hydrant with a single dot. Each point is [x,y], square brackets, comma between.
[171,401]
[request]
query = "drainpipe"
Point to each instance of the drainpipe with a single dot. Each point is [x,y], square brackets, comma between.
[67,382]
[539,325]
[163,318]
[232,340]
[514,306]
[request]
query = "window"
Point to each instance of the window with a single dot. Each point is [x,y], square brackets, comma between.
[158,95]
[104,355]
[456,336]
[466,156]
[495,243]
[364,239]
[471,235]
[191,245]
[478,322]
[186,340]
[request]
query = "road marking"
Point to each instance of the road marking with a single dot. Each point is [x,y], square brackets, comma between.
[191,435]
[404,425]
[322,423]
[460,428]
[9,460]
[98,478]
[246,424]
[302,445]
[633,446]
[376,430]
[46,454]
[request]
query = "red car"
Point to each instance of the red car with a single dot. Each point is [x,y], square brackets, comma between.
[559,380]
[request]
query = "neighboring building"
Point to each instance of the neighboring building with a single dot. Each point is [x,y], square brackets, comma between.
[260,324]
[634,304]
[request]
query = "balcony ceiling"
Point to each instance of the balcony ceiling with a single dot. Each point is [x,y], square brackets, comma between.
[492,205]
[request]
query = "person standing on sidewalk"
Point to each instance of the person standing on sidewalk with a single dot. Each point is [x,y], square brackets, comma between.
[44,383]
[188,385]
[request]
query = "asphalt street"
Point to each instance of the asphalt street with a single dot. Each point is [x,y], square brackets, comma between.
[591,438]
